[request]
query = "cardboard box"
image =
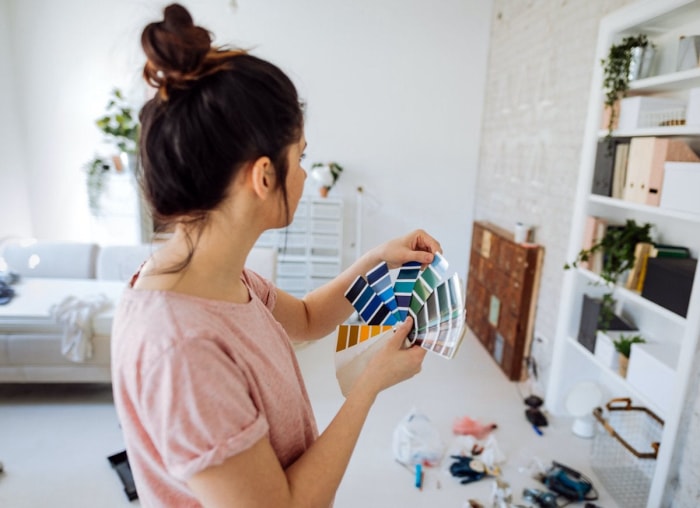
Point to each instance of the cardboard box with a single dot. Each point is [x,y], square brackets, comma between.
[638,112]
[681,186]
[652,371]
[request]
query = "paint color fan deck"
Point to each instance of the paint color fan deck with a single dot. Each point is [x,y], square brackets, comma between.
[431,299]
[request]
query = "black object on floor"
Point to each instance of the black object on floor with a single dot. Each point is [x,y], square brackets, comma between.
[120,463]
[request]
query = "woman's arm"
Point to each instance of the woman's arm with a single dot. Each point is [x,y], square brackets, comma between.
[319,312]
[255,478]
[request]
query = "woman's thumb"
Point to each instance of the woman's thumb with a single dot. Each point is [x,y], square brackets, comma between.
[402,331]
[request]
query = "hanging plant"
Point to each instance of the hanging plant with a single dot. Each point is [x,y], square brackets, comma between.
[616,72]
[617,246]
[97,171]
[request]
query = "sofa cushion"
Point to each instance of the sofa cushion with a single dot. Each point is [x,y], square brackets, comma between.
[31,258]
[45,349]
[120,262]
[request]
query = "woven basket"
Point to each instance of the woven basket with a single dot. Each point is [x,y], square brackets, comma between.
[624,450]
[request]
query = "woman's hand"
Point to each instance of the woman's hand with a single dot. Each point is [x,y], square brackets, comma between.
[393,362]
[416,246]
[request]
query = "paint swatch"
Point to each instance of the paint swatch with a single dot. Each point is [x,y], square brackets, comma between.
[434,303]
[368,304]
[380,281]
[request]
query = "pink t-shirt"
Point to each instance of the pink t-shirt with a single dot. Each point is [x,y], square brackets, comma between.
[197,381]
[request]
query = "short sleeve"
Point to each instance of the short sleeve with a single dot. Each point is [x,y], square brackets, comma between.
[263,288]
[198,409]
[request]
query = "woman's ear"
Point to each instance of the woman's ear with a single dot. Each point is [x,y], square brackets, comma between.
[262,177]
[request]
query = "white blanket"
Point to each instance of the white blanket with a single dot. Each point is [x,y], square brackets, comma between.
[76,316]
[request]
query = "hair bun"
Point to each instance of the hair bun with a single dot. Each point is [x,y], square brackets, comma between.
[176,50]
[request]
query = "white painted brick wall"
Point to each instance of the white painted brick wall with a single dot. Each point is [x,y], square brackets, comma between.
[541,60]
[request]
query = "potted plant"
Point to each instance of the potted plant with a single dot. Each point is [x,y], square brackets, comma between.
[623,345]
[625,62]
[326,174]
[120,126]
[617,247]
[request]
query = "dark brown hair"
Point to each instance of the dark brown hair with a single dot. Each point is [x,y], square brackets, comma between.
[216,110]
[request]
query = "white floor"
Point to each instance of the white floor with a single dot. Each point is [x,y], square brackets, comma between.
[55,440]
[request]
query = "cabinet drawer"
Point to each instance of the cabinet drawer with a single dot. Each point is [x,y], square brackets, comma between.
[317,282]
[291,269]
[291,284]
[328,227]
[320,269]
[299,225]
[325,210]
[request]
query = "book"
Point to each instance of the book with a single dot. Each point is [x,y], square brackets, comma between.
[669,251]
[603,169]
[622,150]
[592,234]
[635,279]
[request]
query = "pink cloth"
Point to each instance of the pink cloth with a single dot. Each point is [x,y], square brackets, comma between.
[197,381]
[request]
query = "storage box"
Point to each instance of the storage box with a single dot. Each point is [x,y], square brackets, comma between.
[639,112]
[688,52]
[681,187]
[669,282]
[652,371]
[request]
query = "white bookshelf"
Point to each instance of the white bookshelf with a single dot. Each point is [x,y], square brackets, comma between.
[663,22]
[310,248]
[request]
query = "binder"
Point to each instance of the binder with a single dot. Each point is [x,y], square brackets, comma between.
[645,167]
[611,156]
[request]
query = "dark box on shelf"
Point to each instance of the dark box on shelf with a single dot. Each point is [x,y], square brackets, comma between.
[669,281]
[590,312]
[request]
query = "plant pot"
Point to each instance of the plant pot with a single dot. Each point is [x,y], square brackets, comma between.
[323,191]
[640,62]
[623,361]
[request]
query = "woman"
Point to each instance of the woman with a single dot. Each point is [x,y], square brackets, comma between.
[210,397]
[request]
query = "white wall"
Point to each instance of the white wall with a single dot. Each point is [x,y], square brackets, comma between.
[394,91]
[14,194]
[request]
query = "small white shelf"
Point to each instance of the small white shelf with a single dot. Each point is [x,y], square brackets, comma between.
[614,381]
[675,130]
[620,204]
[671,82]
[636,298]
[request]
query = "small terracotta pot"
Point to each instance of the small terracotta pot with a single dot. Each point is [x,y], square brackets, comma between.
[622,369]
[324,192]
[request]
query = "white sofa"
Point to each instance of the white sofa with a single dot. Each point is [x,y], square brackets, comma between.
[31,339]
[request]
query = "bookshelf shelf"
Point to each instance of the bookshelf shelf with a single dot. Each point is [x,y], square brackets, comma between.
[670,82]
[676,130]
[616,383]
[600,203]
[622,293]
[572,363]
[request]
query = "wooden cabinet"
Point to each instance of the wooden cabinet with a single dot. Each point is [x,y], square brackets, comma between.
[502,294]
